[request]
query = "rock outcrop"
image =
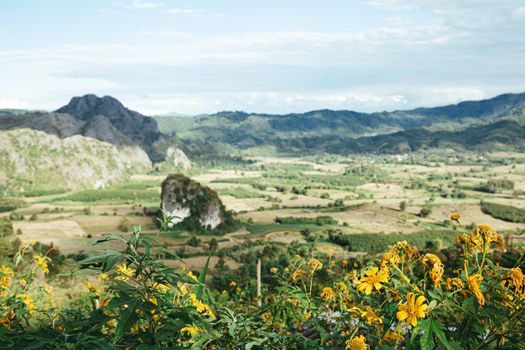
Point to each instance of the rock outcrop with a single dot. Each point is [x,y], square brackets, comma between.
[136,127]
[101,118]
[177,158]
[187,201]
[35,159]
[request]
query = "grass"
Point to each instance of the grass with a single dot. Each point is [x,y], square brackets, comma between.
[239,192]
[11,204]
[112,196]
[504,212]
[267,228]
[378,242]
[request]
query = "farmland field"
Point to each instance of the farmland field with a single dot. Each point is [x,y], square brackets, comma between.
[364,195]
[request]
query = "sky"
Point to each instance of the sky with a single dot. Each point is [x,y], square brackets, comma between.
[271,56]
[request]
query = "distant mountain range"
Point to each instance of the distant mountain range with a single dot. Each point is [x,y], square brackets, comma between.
[500,119]
[496,123]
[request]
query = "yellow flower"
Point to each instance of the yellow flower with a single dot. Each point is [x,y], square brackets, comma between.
[7,319]
[455,217]
[162,288]
[266,317]
[233,283]
[437,268]
[297,274]
[391,336]
[6,275]
[200,306]
[403,247]
[484,234]
[372,279]
[518,278]
[344,263]
[134,329]
[307,316]
[93,288]
[454,282]
[412,310]
[357,343]
[342,287]
[328,294]
[371,317]
[103,277]
[473,284]
[464,242]
[293,302]
[391,258]
[274,270]
[125,271]
[191,330]
[192,276]
[28,302]
[42,262]
[315,264]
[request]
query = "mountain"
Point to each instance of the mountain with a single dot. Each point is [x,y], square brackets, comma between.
[229,133]
[33,159]
[501,135]
[101,118]
[140,129]
[293,133]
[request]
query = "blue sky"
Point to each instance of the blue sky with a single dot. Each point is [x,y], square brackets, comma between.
[160,56]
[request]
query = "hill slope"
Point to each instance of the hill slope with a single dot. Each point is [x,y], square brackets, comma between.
[32,159]
[242,130]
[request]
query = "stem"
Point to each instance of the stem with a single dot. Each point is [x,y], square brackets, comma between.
[480,267]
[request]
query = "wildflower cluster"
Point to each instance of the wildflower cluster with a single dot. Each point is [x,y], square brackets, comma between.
[461,298]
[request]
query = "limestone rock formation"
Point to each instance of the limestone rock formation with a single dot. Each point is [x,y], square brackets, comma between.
[187,201]
[177,158]
[31,158]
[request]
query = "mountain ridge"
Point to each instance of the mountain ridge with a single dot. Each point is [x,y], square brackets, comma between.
[108,120]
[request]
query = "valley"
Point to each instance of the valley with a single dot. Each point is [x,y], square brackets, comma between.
[280,199]
[253,217]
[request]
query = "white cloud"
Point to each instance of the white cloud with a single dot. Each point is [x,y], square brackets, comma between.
[181,11]
[137,4]
[193,12]
[164,33]
[273,102]
[518,13]
[460,49]
[396,5]
[6,102]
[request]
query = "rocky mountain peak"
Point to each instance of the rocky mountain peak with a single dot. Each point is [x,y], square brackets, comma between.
[136,127]
[87,106]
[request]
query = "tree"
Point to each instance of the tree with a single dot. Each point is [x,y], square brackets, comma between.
[194,241]
[213,244]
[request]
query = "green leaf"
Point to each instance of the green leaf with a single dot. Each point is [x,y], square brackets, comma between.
[438,330]
[424,329]
[126,321]
[202,278]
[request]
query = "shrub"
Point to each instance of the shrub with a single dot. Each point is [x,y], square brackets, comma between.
[124,225]
[424,212]
[319,220]
[11,204]
[503,212]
